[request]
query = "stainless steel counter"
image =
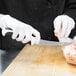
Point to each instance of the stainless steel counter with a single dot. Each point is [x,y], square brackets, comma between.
[6,57]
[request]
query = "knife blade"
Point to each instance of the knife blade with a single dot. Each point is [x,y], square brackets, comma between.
[54,43]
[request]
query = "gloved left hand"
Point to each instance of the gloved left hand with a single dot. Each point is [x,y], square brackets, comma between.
[20,31]
[63,25]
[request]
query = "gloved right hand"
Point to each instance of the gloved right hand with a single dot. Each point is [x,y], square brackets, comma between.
[21,31]
[63,26]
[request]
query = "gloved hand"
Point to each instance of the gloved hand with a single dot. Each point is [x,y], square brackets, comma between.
[21,31]
[63,25]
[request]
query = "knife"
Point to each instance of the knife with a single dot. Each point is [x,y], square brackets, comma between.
[54,43]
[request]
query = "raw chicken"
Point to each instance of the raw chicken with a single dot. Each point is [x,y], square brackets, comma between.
[69,52]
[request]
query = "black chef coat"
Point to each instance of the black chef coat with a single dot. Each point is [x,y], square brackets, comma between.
[38,13]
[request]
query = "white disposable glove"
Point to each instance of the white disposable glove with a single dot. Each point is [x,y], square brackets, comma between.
[21,31]
[63,25]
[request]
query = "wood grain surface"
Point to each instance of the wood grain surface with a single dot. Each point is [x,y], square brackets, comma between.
[40,60]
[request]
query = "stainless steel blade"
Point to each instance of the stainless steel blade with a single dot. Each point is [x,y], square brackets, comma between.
[54,43]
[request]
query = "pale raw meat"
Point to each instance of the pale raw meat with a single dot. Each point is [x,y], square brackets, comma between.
[69,52]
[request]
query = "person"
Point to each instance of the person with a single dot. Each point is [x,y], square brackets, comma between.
[23,21]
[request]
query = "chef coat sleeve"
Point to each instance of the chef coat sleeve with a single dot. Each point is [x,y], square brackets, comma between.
[70,10]
[2,11]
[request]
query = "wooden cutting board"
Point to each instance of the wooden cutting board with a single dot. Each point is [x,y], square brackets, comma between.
[40,60]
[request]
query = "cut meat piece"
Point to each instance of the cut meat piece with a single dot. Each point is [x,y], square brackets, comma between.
[69,52]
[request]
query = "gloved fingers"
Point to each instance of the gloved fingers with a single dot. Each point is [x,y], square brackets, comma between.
[64,27]
[65,40]
[74,41]
[36,36]
[68,30]
[33,40]
[23,35]
[18,33]
[72,22]
[20,37]
[57,25]
[5,31]
[15,34]
[71,25]
[27,38]
[27,35]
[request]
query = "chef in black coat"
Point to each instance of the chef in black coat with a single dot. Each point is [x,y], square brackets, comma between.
[23,21]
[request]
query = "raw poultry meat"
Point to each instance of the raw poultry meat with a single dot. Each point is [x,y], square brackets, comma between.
[69,52]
